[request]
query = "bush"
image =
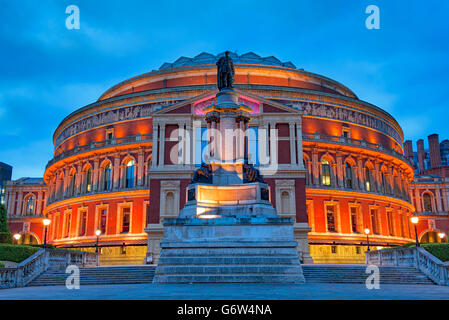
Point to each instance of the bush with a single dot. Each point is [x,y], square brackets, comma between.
[439,250]
[16,253]
[5,237]
[2,265]
[5,234]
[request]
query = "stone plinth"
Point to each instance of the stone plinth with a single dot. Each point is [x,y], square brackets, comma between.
[231,249]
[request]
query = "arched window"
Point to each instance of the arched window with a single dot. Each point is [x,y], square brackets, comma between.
[129,174]
[73,184]
[29,205]
[367,179]
[384,183]
[348,177]
[88,180]
[169,203]
[427,201]
[107,177]
[285,202]
[325,173]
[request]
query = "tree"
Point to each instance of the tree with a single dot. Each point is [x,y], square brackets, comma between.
[5,234]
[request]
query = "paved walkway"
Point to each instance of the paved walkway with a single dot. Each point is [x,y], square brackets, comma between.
[308,291]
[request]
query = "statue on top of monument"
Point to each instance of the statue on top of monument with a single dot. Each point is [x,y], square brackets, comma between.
[225,72]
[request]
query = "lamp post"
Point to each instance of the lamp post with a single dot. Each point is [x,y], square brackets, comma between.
[367,237]
[17,236]
[46,223]
[415,220]
[97,233]
[441,235]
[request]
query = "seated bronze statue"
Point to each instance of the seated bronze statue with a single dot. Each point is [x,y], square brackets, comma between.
[203,174]
[251,174]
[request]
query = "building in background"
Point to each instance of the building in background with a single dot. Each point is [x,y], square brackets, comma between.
[430,187]
[5,175]
[25,203]
[147,133]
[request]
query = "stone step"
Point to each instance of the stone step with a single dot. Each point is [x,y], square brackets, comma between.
[229,269]
[99,275]
[175,260]
[229,251]
[357,274]
[229,278]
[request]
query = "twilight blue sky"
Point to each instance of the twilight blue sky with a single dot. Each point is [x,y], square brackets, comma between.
[47,71]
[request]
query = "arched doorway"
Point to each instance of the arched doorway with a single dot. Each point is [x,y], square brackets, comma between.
[28,238]
[431,236]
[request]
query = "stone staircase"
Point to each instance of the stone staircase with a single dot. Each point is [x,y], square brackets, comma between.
[132,274]
[356,274]
[248,268]
[250,265]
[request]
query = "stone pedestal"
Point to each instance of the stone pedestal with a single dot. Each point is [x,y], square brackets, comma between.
[231,249]
[228,230]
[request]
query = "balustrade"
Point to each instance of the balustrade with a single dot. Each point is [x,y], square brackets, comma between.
[418,258]
[41,261]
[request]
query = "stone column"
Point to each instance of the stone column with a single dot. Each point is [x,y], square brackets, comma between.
[315,167]
[9,195]
[189,144]
[162,145]
[438,198]
[95,175]
[299,144]
[264,155]
[340,171]
[140,166]
[291,127]
[361,175]
[154,153]
[78,179]
[418,201]
[19,203]
[116,172]
[39,203]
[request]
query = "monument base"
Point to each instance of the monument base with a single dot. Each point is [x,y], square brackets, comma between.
[230,249]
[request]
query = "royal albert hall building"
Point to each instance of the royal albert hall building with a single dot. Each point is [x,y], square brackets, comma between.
[121,165]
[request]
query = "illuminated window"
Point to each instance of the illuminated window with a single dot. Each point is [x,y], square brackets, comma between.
[83,224]
[354,220]
[330,215]
[367,179]
[129,174]
[73,185]
[126,219]
[348,175]
[325,173]
[89,180]
[390,222]
[103,219]
[30,202]
[68,218]
[427,201]
[109,134]
[107,177]
[384,183]
[374,221]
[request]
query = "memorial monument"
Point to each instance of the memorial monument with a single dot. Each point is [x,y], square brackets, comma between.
[228,230]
